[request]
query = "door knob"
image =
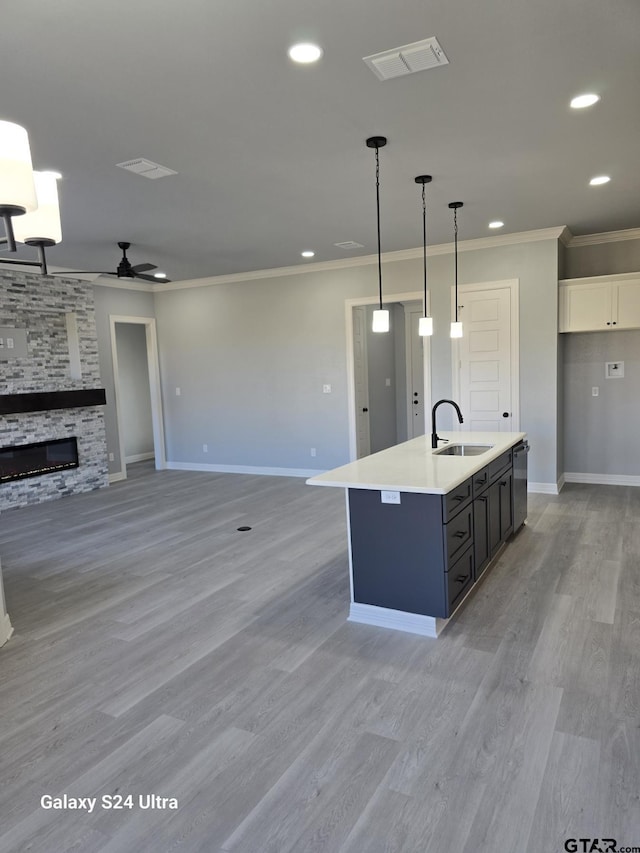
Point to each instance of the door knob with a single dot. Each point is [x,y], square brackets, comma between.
[505,414]
[365,409]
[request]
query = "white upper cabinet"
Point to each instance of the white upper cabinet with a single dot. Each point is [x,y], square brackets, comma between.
[601,303]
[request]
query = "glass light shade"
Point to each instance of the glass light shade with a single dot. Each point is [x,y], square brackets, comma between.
[456,330]
[425,326]
[43,225]
[380,321]
[17,188]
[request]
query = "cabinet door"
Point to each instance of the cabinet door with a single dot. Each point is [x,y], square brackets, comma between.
[481,533]
[627,302]
[494,518]
[585,307]
[505,484]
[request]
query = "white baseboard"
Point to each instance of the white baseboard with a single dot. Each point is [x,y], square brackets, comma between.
[6,629]
[119,475]
[545,488]
[603,479]
[384,617]
[139,457]
[243,469]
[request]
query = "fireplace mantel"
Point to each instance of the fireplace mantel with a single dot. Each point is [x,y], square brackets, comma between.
[44,401]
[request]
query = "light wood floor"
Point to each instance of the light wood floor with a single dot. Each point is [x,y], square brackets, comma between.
[158,650]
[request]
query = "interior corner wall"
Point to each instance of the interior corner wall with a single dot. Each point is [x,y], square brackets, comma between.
[124,303]
[599,434]
[251,358]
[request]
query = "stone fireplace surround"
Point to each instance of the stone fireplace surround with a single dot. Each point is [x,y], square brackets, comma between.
[43,381]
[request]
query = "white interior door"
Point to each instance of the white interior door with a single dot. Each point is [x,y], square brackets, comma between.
[361,379]
[485,359]
[415,373]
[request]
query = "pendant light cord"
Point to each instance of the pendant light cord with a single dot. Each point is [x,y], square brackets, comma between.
[424,245]
[378,215]
[455,251]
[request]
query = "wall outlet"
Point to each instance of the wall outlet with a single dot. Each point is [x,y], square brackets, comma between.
[389,497]
[313,451]
[326,389]
[112,457]
[595,391]
[178,392]
[205,448]
[387,382]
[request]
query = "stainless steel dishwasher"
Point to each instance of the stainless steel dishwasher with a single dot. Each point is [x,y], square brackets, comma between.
[520,453]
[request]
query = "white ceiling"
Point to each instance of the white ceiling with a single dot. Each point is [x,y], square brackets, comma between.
[271,156]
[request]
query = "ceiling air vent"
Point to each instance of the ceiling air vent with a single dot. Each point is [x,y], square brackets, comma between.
[418,56]
[146,168]
[349,244]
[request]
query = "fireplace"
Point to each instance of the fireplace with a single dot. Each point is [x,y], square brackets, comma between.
[42,457]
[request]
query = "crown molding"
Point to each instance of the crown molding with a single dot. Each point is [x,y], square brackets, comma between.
[604,237]
[367,260]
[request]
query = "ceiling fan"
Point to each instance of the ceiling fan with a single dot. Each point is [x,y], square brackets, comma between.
[125,268]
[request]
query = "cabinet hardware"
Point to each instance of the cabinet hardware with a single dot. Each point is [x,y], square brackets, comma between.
[460,534]
[459,497]
[461,578]
[503,483]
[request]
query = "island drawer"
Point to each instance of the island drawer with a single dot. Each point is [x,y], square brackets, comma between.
[459,534]
[455,500]
[480,480]
[497,467]
[458,579]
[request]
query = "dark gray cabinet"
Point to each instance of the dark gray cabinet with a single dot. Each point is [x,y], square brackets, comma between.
[425,553]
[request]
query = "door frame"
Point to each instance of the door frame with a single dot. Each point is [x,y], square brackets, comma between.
[512,284]
[349,305]
[153,366]
[407,363]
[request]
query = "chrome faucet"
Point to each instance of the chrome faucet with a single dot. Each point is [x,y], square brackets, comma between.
[434,434]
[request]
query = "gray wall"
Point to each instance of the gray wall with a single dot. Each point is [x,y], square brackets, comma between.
[602,259]
[601,433]
[251,357]
[400,356]
[135,397]
[125,303]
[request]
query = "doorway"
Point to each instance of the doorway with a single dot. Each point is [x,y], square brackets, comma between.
[138,401]
[486,380]
[389,385]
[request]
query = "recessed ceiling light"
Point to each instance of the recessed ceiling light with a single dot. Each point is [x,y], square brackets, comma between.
[305,53]
[159,275]
[600,179]
[582,101]
[308,254]
[496,224]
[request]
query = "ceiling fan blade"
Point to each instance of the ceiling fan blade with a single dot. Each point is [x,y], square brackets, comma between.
[152,278]
[143,268]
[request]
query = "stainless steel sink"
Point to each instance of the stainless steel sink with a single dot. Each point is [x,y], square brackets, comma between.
[463,449]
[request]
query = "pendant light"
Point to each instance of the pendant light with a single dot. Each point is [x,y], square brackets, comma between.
[425,324]
[456,327]
[17,187]
[29,197]
[380,315]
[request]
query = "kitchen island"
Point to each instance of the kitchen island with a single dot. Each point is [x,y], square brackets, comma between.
[425,524]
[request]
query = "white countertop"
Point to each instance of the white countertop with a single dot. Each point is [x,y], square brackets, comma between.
[414,467]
